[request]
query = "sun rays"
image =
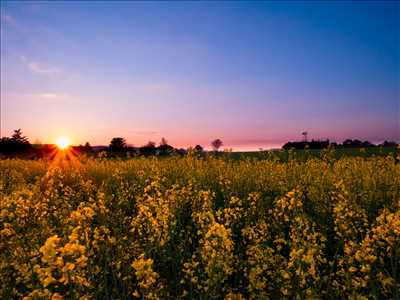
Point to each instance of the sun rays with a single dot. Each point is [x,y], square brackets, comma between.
[62,154]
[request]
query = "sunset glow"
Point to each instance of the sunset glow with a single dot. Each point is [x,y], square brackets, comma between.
[254,74]
[62,143]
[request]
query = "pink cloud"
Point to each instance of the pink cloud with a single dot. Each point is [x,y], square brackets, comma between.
[40,69]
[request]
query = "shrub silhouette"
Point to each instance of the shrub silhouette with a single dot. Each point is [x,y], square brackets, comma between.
[198,148]
[164,148]
[148,149]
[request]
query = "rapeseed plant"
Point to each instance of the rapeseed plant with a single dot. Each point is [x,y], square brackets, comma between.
[201,228]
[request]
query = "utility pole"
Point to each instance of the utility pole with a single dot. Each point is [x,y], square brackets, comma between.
[304,134]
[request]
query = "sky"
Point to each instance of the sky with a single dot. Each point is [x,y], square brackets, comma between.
[254,74]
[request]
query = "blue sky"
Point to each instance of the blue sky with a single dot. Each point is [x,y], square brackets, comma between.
[254,74]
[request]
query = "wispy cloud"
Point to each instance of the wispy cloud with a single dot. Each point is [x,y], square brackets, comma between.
[37,68]
[50,97]
[40,69]
[143,132]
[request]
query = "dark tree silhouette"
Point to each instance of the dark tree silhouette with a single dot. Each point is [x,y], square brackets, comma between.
[309,145]
[15,144]
[117,144]
[367,144]
[198,148]
[352,143]
[18,138]
[163,142]
[348,143]
[148,149]
[150,144]
[164,148]
[87,147]
[216,144]
[388,144]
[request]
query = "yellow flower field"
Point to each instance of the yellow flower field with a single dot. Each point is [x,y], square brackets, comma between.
[200,228]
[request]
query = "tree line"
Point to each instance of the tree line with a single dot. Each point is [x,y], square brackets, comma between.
[348,143]
[119,145]
[19,144]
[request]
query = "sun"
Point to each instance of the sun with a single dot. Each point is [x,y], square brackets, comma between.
[62,143]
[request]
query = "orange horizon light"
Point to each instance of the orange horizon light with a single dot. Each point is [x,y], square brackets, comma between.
[62,143]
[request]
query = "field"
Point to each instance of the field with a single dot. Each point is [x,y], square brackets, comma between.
[201,227]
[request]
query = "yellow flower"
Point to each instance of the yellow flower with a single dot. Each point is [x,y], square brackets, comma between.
[352,269]
[57,296]
[136,294]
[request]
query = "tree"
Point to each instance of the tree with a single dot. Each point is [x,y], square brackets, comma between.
[388,144]
[163,142]
[148,149]
[216,144]
[164,148]
[87,147]
[198,148]
[367,144]
[18,138]
[17,143]
[150,144]
[117,144]
[352,143]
